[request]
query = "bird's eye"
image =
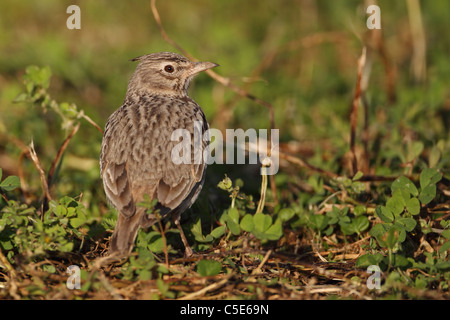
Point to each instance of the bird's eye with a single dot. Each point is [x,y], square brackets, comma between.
[169,68]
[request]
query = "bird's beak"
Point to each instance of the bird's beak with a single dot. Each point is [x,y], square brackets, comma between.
[201,66]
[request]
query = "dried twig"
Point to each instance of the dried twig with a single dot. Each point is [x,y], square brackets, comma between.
[211,287]
[23,183]
[266,257]
[108,286]
[262,200]
[305,164]
[5,263]
[92,122]
[59,154]
[354,112]
[38,166]
[375,42]
[418,62]
[163,236]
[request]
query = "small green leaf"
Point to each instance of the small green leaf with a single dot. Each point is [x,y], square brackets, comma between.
[413,206]
[76,222]
[404,183]
[275,231]
[60,211]
[247,223]
[21,97]
[434,156]
[427,194]
[225,184]
[420,282]
[198,233]
[318,222]
[384,214]
[10,183]
[286,214]
[356,225]
[233,226]
[333,215]
[392,238]
[156,243]
[67,247]
[209,267]
[164,289]
[37,76]
[358,187]
[359,210]
[369,259]
[360,223]
[400,231]
[400,261]
[197,229]
[48,268]
[6,245]
[446,234]
[429,176]
[445,247]
[357,176]
[408,223]
[262,222]
[231,218]
[403,195]
[396,205]
[233,213]
[145,275]
[415,148]
[443,265]
[218,232]
[347,228]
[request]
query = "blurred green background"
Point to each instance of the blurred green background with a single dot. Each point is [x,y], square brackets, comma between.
[301,56]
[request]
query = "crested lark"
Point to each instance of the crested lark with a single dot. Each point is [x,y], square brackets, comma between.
[136,155]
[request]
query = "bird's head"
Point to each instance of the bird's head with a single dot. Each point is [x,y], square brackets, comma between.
[165,73]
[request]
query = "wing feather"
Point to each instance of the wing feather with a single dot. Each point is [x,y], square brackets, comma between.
[136,155]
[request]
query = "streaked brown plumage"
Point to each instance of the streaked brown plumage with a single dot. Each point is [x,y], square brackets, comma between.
[136,149]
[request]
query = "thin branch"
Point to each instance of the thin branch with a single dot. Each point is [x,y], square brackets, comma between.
[23,182]
[163,32]
[5,263]
[304,164]
[60,153]
[418,62]
[263,262]
[108,286]
[227,82]
[211,287]
[262,200]
[365,178]
[365,136]
[38,166]
[11,278]
[163,236]
[92,122]
[354,112]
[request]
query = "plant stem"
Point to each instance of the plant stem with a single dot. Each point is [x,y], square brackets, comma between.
[262,200]
[390,258]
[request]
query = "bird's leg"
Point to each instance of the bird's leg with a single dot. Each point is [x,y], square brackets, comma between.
[187,248]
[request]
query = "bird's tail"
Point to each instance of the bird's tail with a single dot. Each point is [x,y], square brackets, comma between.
[125,232]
